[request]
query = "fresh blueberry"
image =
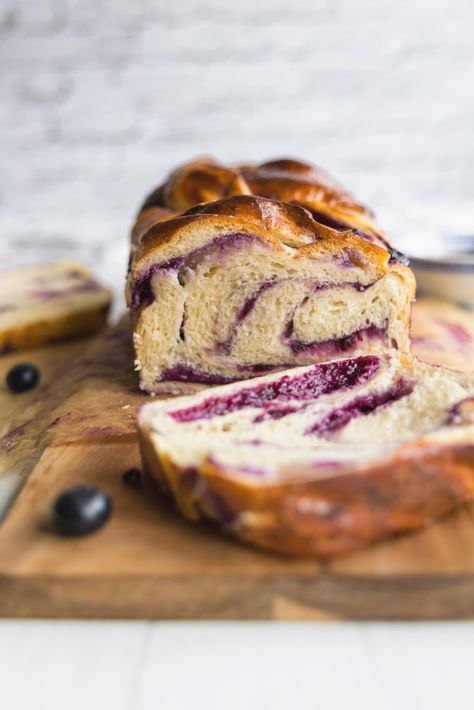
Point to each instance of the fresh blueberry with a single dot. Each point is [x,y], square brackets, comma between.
[132,477]
[23,377]
[397,257]
[81,510]
[346,343]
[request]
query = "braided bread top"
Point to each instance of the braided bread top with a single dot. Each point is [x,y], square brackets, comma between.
[205,180]
[286,227]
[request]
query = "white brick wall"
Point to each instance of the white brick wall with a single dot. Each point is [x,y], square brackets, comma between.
[99,98]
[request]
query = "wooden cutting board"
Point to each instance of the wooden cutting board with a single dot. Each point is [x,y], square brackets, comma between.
[148,563]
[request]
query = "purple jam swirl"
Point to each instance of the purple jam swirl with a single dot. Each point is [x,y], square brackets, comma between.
[336,346]
[319,380]
[456,415]
[365,404]
[142,292]
[262,368]
[224,347]
[185,373]
[250,302]
[276,411]
[50,294]
[456,331]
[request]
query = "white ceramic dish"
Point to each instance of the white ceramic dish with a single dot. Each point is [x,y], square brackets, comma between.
[448,271]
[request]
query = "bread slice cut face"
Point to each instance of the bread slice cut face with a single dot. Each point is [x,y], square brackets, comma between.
[322,459]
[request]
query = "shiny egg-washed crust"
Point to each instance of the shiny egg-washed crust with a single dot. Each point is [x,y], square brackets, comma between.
[205,180]
[335,515]
[145,220]
[281,224]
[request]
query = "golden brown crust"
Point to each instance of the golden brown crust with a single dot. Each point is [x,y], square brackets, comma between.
[205,180]
[201,180]
[330,516]
[280,224]
[294,181]
[147,218]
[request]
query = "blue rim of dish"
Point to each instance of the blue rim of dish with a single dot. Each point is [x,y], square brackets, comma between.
[433,265]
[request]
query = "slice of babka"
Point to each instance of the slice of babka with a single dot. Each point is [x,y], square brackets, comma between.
[45,303]
[318,460]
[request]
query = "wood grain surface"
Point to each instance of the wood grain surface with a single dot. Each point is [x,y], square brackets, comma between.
[47,359]
[148,563]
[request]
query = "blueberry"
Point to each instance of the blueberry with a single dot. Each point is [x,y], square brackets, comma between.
[132,477]
[346,343]
[23,377]
[397,257]
[81,510]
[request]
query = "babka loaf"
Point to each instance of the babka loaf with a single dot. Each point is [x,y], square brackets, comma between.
[244,285]
[318,460]
[49,302]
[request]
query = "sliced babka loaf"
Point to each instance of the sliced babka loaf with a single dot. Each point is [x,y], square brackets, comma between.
[49,302]
[246,285]
[318,460]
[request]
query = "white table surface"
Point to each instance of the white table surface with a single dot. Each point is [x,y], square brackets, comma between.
[235,666]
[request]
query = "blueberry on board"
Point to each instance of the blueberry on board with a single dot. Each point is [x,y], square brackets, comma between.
[81,510]
[22,377]
[132,477]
